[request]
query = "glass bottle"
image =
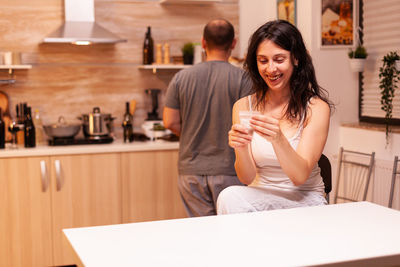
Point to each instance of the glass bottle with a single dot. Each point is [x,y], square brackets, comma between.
[2,131]
[39,132]
[148,48]
[127,124]
[29,129]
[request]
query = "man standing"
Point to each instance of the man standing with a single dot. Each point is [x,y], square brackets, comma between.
[198,108]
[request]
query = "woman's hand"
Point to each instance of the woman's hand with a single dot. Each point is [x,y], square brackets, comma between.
[267,127]
[239,136]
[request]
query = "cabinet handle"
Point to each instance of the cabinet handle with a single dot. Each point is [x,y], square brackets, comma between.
[45,176]
[57,165]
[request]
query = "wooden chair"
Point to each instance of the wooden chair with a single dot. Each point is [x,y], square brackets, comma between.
[353,175]
[394,173]
[326,173]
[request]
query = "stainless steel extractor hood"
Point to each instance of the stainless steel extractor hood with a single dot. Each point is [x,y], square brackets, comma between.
[80,27]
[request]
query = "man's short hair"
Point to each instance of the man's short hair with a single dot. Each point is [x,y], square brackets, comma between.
[219,34]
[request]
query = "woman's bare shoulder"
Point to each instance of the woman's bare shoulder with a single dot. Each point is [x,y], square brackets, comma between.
[319,105]
[242,103]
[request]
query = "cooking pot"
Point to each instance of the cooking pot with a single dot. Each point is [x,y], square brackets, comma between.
[97,125]
[61,129]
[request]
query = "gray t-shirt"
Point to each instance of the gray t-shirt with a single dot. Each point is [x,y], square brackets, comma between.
[205,94]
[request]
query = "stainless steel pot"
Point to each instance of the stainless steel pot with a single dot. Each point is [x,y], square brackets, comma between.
[61,129]
[97,124]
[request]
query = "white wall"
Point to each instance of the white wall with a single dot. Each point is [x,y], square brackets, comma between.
[252,14]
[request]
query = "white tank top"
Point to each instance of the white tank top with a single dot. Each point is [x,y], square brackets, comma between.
[269,171]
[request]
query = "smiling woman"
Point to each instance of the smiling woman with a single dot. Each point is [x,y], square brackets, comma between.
[279,160]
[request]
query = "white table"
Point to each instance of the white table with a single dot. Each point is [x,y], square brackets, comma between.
[352,234]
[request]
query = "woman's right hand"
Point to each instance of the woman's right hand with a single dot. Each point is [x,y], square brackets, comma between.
[239,136]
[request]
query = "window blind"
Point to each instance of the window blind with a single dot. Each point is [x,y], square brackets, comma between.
[381,29]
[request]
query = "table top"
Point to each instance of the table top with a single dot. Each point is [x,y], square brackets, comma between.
[342,234]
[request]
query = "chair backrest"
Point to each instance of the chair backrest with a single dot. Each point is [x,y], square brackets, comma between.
[326,172]
[353,175]
[394,173]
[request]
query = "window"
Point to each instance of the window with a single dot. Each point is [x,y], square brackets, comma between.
[381,34]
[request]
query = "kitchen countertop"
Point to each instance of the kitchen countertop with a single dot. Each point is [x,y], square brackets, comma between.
[115,146]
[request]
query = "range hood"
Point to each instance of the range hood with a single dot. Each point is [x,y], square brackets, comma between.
[80,27]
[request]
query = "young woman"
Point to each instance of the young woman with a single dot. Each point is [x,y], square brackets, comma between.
[278,158]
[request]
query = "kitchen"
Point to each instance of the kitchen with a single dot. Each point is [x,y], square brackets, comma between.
[70,80]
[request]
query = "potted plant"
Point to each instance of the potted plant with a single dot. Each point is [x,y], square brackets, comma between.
[188,51]
[389,75]
[357,58]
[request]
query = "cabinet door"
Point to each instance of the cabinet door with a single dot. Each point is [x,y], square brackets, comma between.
[150,190]
[86,191]
[25,212]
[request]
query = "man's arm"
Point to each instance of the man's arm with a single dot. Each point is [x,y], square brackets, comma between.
[172,120]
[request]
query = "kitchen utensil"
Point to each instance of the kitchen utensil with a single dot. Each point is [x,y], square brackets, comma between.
[61,129]
[132,106]
[97,124]
[153,115]
[7,122]
[4,103]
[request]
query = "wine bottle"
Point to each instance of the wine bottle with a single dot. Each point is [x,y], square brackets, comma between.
[2,131]
[127,124]
[148,48]
[29,129]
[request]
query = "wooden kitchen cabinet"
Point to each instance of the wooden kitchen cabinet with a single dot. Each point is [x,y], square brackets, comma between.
[25,213]
[150,190]
[41,195]
[78,191]
[86,191]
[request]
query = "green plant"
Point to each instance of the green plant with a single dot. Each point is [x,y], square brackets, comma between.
[389,76]
[359,52]
[188,49]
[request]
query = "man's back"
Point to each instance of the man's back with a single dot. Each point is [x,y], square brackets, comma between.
[205,95]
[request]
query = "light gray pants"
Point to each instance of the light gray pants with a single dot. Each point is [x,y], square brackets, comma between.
[237,199]
[200,192]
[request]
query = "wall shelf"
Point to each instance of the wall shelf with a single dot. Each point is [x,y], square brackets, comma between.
[156,67]
[189,1]
[10,68]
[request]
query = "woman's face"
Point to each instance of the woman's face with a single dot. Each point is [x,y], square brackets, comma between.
[274,65]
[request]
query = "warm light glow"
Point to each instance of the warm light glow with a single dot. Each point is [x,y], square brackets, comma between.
[82,42]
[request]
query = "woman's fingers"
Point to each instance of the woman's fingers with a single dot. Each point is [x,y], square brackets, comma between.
[239,136]
[266,126]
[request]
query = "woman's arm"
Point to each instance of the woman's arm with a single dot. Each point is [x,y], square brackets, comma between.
[298,164]
[240,139]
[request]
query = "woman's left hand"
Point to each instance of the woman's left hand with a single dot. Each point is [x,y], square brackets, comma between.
[266,126]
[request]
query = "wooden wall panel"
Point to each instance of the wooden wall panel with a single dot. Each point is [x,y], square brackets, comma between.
[70,80]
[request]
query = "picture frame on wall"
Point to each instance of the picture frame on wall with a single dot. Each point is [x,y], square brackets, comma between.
[286,10]
[338,23]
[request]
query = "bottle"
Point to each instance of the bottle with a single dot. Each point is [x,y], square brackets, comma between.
[29,129]
[127,124]
[166,54]
[20,123]
[37,121]
[2,131]
[158,54]
[148,48]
